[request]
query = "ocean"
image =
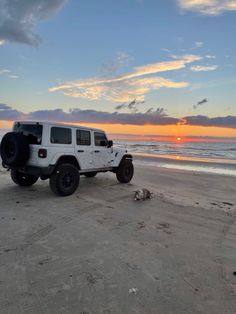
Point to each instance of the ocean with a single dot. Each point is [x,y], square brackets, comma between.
[206,151]
[195,150]
[209,155]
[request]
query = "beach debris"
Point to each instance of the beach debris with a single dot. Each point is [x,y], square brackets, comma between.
[165,227]
[227,203]
[133,290]
[190,284]
[141,225]
[142,194]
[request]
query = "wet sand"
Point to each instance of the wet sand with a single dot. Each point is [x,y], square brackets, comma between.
[99,251]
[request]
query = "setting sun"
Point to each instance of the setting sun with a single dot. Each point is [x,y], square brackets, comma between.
[179,139]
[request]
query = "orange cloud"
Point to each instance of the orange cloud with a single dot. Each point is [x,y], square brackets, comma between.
[208,7]
[130,85]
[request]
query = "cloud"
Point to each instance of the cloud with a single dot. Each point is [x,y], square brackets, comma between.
[160,112]
[8,73]
[120,107]
[13,76]
[208,7]
[122,59]
[224,122]
[128,86]
[19,18]
[150,117]
[4,107]
[201,102]
[88,116]
[4,71]
[210,57]
[150,110]
[204,68]
[8,113]
[132,106]
[166,50]
[198,44]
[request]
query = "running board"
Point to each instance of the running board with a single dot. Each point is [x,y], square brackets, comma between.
[96,170]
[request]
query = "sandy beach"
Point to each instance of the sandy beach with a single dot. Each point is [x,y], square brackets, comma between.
[99,251]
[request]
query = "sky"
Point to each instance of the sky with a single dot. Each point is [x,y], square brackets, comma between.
[128,66]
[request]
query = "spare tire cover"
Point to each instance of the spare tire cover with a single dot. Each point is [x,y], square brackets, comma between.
[14,149]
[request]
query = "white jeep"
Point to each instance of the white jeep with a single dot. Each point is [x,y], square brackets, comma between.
[61,153]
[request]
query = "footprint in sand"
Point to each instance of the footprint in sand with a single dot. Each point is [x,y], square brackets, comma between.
[225,206]
[141,225]
[164,226]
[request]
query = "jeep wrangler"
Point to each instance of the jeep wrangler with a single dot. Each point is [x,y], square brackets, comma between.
[61,153]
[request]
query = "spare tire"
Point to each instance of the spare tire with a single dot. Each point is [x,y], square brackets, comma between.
[14,149]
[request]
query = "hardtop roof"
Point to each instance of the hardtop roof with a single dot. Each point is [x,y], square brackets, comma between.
[59,124]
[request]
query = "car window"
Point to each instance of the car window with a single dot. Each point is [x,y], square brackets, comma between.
[61,135]
[100,139]
[32,131]
[83,137]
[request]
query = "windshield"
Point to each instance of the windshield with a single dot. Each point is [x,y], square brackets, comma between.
[33,131]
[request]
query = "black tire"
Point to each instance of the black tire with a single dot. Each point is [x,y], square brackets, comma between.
[65,180]
[125,171]
[90,174]
[23,179]
[15,149]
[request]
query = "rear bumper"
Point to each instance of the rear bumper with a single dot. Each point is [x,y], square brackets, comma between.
[36,171]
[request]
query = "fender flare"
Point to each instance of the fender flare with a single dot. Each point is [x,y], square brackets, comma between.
[126,157]
[68,159]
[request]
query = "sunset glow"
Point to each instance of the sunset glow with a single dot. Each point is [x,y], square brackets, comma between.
[180,85]
[158,132]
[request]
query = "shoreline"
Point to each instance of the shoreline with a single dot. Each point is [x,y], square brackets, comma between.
[210,166]
[190,159]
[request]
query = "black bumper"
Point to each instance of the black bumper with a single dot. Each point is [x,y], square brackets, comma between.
[36,171]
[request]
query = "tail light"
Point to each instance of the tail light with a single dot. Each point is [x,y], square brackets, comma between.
[42,153]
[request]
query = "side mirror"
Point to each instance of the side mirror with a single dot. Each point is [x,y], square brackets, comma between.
[110,144]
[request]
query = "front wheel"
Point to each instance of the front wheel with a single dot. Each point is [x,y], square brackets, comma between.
[65,180]
[125,171]
[23,179]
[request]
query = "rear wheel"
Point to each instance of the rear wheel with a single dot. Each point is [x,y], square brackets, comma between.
[23,179]
[125,171]
[90,174]
[65,180]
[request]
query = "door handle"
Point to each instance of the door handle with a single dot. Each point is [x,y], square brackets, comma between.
[97,151]
[80,151]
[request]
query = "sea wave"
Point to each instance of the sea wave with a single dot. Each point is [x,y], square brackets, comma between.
[225,150]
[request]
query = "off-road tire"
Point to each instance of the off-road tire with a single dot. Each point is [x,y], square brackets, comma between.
[90,174]
[23,179]
[15,149]
[65,180]
[125,171]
